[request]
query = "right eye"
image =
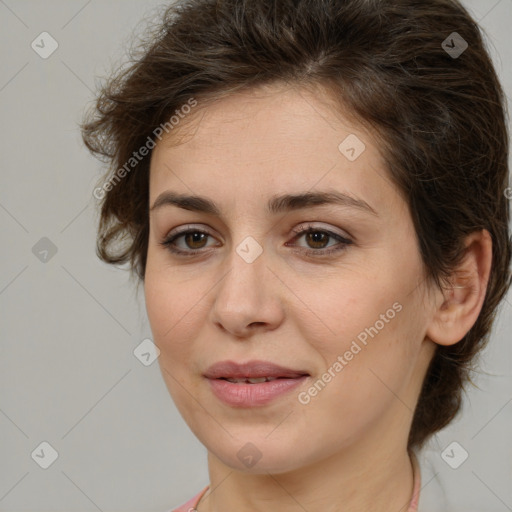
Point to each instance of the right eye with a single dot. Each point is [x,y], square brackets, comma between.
[187,243]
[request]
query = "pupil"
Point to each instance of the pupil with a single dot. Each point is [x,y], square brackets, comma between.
[195,237]
[317,238]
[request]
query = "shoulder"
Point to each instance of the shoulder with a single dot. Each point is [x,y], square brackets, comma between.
[190,505]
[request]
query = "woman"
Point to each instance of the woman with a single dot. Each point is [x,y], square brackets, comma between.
[313,194]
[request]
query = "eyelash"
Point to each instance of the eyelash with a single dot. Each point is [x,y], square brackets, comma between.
[169,243]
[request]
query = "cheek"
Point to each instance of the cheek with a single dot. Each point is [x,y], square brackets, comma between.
[172,317]
[170,313]
[177,305]
[345,307]
[363,381]
[161,305]
[172,298]
[370,323]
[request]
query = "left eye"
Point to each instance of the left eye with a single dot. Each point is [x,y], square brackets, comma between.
[317,239]
[194,239]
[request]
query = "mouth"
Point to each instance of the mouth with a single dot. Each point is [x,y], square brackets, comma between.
[251,370]
[249,380]
[251,384]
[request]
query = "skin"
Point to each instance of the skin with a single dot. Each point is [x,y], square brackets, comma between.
[347,448]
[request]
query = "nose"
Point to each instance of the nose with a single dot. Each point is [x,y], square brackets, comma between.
[248,297]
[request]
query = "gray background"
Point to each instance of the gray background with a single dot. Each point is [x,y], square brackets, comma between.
[69,325]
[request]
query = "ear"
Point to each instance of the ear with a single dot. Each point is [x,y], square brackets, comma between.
[460,303]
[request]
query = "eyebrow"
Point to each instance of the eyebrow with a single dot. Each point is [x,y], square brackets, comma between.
[276,204]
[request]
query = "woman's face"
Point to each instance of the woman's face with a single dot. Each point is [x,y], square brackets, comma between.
[340,309]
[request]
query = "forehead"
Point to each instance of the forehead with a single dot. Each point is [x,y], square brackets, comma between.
[267,140]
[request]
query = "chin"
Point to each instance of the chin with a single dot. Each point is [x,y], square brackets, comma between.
[257,455]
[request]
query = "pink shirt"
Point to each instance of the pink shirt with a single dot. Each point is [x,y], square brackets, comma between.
[190,505]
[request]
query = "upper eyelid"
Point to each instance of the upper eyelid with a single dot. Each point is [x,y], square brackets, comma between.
[297,232]
[305,226]
[169,242]
[309,226]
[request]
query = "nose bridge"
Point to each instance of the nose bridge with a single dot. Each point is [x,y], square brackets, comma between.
[245,280]
[243,296]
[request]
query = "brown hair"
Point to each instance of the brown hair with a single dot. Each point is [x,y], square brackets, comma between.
[440,118]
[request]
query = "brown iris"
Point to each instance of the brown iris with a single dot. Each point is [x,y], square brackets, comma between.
[317,237]
[194,237]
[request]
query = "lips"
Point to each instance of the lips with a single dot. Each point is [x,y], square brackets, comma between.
[252,370]
[256,383]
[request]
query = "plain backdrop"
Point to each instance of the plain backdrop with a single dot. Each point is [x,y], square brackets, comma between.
[70,324]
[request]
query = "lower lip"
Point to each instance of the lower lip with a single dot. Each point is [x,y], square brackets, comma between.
[251,395]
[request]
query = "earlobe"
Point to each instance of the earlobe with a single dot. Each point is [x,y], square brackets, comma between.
[461,301]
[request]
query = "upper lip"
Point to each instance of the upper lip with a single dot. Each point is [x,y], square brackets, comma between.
[250,370]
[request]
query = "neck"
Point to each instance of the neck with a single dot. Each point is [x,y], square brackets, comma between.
[357,480]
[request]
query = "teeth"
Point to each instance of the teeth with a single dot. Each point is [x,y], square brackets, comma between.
[258,380]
